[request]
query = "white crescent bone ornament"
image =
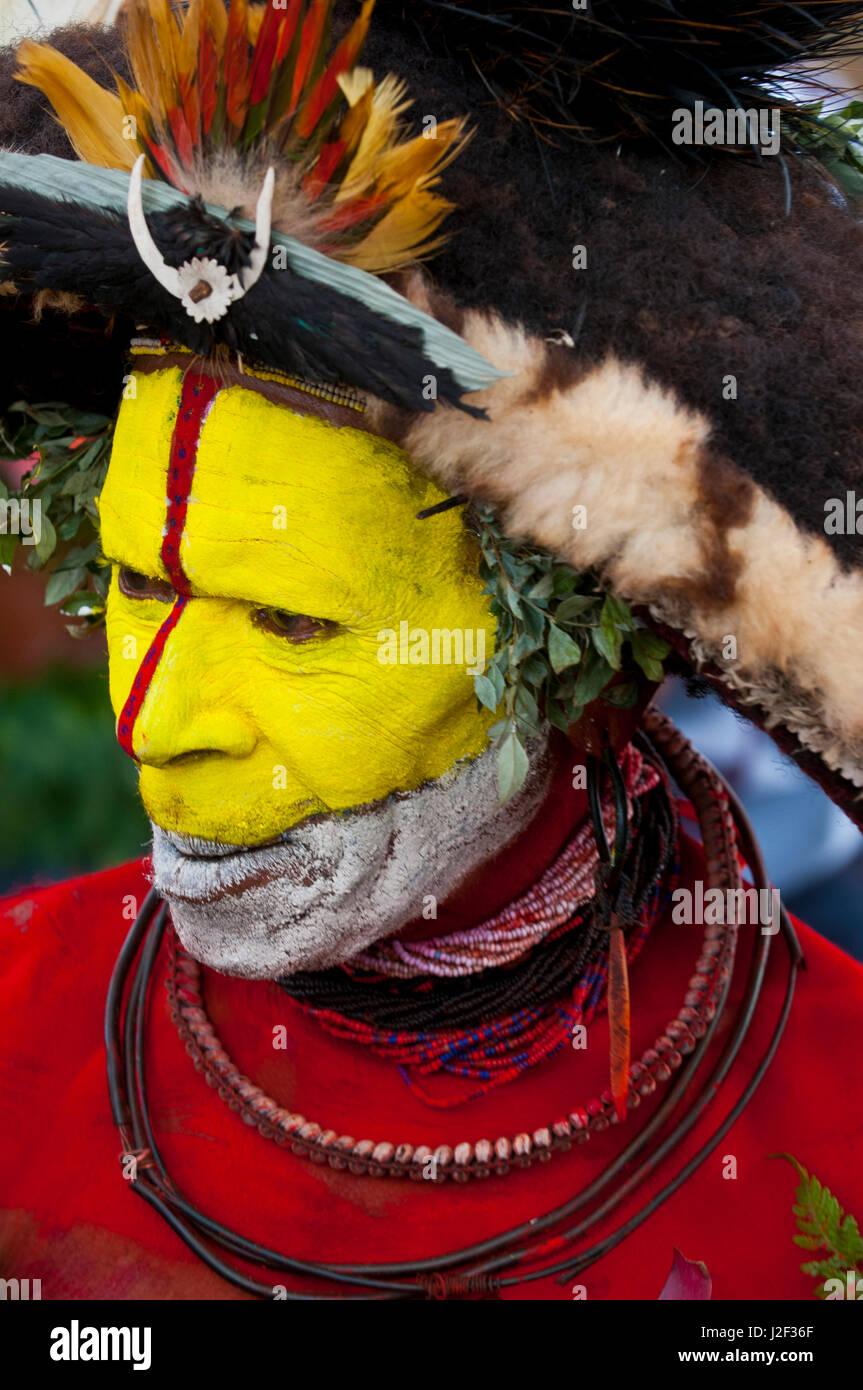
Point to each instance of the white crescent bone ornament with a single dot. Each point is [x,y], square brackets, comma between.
[205,288]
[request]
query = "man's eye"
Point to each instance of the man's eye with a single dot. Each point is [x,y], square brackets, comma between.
[136,585]
[295,627]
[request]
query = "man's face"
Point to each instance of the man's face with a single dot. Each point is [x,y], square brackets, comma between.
[268,715]
[301,545]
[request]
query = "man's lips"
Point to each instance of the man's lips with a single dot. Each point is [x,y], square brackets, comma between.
[195,870]
[195,847]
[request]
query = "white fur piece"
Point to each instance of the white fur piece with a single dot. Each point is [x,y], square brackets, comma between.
[337,884]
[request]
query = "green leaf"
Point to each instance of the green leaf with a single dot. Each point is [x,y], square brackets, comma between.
[62,583]
[562,650]
[101,581]
[526,709]
[527,643]
[608,642]
[555,715]
[618,612]
[517,574]
[565,580]
[534,623]
[823,1225]
[86,600]
[79,555]
[648,650]
[543,588]
[574,607]
[47,542]
[512,766]
[499,730]
[594,673]
[495,675]
[650,644]
[485,692]
[68,529]
[535,670]
[46,414]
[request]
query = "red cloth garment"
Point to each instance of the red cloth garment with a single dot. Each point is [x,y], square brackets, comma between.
[69,1218]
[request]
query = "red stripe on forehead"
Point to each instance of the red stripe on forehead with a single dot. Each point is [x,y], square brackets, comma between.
[196,397]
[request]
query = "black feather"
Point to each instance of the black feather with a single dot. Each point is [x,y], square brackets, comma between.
[619,68]
[285,320]
[188,231]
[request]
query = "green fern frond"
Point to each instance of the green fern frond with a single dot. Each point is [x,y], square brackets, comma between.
[824,1227]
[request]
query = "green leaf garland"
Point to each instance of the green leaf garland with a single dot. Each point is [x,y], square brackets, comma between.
[561,639]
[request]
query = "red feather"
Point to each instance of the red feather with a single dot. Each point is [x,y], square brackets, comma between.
[208,74]
[326,86]
[350,213]
[235,70]
[264,56]
[288,29]
[182,138]
[310,43]
[320,174]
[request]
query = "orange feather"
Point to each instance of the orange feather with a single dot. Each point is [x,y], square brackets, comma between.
[92,117]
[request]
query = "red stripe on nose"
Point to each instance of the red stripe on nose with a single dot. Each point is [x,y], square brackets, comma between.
[196,396]
[145,673]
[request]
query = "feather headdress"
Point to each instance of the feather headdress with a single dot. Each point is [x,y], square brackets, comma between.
[219,95]
[232,112]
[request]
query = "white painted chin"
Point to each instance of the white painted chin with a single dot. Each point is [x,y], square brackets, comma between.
[333,885]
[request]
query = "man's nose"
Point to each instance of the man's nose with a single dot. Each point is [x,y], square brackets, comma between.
[192,708]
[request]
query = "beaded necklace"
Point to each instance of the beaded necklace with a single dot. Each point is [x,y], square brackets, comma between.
[508,935]
[505,1019]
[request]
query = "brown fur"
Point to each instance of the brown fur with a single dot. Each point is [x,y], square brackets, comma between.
[672,523]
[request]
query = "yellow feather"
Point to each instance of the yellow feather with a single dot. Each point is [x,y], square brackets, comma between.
[400,236]
[388,103]
[187,48]
[92,117]
[254,20]
[355,120]
[152,35]
[216,18]
[413,164]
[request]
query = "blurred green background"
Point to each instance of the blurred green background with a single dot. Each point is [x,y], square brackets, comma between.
[68,794]
[69,802]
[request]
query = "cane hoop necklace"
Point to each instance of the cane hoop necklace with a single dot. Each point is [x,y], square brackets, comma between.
[477,1270]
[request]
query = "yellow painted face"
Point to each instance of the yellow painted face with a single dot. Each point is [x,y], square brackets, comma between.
[321,659]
